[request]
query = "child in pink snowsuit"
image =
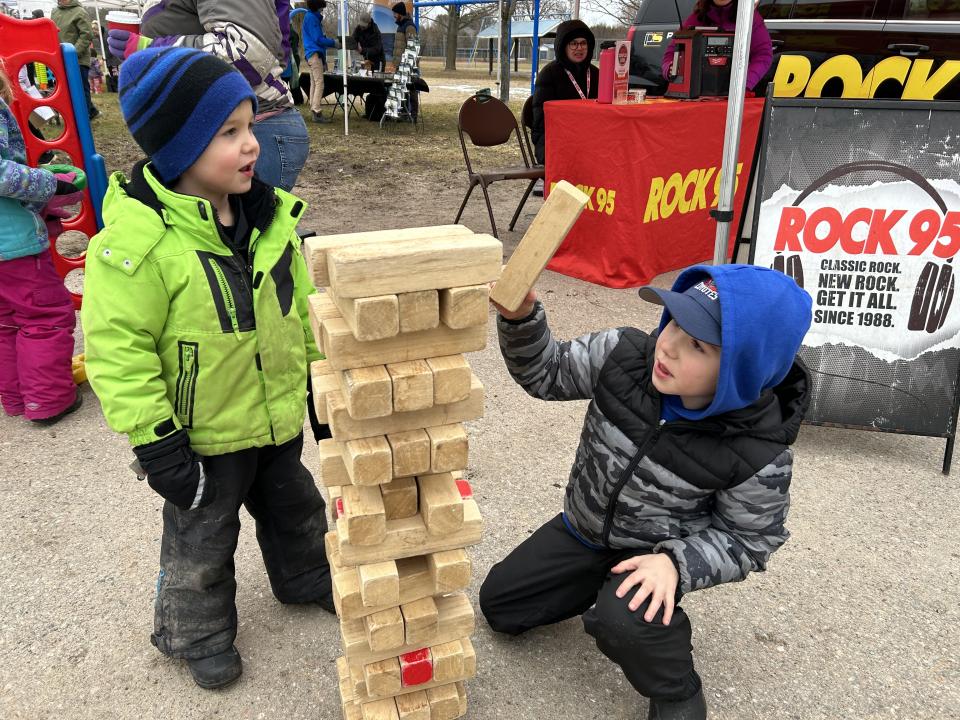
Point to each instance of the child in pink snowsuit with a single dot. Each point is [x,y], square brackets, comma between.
[37,317]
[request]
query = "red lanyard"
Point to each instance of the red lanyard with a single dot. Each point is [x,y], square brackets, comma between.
[573,80]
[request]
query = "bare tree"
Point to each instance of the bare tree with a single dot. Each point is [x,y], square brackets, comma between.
[622,12]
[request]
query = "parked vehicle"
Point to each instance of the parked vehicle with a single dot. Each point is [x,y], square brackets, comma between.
[869,30]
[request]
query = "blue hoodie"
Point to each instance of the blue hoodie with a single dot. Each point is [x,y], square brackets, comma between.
[764,316]
[314,40]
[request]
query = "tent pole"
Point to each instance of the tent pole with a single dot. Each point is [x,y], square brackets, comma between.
[343,45]
[103,50]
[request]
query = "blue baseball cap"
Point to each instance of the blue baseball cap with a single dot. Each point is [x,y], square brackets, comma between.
[696,310]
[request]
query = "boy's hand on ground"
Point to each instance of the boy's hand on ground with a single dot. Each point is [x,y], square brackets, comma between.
[526,307]
[657,577]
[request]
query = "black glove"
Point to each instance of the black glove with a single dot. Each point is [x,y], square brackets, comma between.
[174,471]
[66,188]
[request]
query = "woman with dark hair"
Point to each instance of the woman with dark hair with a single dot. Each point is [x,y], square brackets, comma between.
[722,14]
[570,77]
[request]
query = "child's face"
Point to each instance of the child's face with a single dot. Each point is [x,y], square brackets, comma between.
[226,166]
[686,367]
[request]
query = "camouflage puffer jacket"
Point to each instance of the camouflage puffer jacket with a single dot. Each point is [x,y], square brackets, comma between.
[714,494]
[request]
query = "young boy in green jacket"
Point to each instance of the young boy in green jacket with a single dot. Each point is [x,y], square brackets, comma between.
[198,343]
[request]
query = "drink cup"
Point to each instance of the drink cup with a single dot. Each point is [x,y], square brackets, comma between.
[119,20]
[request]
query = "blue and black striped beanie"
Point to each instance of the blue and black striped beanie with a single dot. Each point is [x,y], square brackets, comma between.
[174,100]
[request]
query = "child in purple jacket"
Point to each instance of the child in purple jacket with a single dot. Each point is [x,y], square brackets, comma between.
[723,15]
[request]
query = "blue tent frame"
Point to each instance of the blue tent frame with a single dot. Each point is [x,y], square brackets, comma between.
[460,3]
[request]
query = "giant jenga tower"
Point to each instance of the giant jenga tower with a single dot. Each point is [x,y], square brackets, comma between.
[396,311]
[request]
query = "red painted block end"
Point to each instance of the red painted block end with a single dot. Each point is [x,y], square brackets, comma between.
[464,487]
[416,668]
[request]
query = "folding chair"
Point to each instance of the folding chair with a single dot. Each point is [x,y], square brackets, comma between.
[526,120]
[488,123]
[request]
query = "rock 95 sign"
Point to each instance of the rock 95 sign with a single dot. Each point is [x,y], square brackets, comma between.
[877,259]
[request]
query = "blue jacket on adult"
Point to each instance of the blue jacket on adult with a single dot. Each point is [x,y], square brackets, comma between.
[314,41]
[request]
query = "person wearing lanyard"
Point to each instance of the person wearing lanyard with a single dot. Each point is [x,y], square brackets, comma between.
[722,14]
[570,77]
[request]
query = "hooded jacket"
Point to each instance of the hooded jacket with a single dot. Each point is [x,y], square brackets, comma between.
[406,30]
[252,35]
[553,83]
[370,41]
[712,493]
[315,42]
[179,326]
[725,18]
[75,28]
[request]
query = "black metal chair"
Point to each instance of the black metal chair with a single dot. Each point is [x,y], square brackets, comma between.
[489,123]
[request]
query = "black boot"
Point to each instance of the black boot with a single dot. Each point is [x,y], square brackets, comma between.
[694,708]
[217,670]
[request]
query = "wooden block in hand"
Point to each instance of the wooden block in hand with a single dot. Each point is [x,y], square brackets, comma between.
[383,678]
[321,308]
[463,307]
[448,448]
[400,498]
[444,702]
[413,706]
[364,520]
[411,453]
[379,584]
[316,248]
[333,473]
[451,378]
[370,318]
[420,620]
[539,243]
[368,461]
[419,310]
[384,631]
[412,265]
[447,661]
[367,391]
[450,570]
[441,506]
[412,385]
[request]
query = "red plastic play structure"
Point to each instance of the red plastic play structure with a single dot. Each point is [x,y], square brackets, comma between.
[36,41]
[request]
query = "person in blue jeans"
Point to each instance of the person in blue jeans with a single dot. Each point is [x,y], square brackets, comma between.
[254,37]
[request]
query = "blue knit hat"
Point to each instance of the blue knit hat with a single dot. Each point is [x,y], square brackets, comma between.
[174,100]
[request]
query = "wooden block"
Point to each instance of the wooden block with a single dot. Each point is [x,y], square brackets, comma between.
[368,461]
[408,537]
[385,709]
[444,702]
[463,307]
[420,621]
[316,248]
[379,584]
[321,308]
[419,310]
[352,711]
[539,243]
[416,668]
[412,265]
[469,658]
[336,503]
[364,519]
[441,506]
[345,352]
[450,570]
[461,691]
[448,448]
[344,428]
[447,661]
[400,498]
[419,577]
[370,318]
[333,473]
[384,631]
[456,621]
[383,677]
[367,391]
[411,453]
[323,383]
[451,378]
[413,706]
[412,385]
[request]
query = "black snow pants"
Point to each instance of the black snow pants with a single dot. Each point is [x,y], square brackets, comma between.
[552,576]
[195,615]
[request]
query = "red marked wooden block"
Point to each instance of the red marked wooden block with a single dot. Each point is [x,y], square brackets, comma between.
[339,507]
[416,667]
[464,487]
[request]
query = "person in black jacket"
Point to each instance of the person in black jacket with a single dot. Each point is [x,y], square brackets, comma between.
[570,77]
[369,41]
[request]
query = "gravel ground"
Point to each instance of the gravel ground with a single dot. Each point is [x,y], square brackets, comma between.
[857,616]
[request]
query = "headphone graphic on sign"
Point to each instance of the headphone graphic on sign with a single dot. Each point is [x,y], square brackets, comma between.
[933,294]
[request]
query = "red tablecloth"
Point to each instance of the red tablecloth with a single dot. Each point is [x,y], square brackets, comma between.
[652,172]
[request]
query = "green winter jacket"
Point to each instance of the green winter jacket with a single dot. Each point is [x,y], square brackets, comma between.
[75,28]
[181,332]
